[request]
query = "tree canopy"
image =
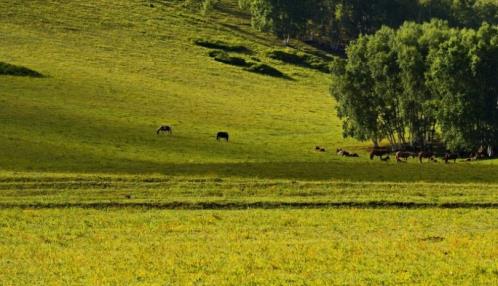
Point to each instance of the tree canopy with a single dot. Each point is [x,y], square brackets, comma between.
[420,83]
[336,22]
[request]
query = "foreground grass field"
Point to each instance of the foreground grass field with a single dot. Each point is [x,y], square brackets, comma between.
[248,247]
[157,230]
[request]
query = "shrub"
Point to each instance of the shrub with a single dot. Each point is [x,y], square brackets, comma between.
[8,69]
[204,6]
[266,70]
[223,57]
[300,59]
[219,45]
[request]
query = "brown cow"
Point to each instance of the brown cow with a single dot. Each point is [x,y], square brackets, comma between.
[378,153]
[404,155]
[426,155]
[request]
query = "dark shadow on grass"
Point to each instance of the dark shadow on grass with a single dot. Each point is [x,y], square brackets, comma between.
[346,171]
[13,70]
[252,205]
[267,70]
[224,46]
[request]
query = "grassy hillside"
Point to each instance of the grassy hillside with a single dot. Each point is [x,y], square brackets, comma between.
[116,70]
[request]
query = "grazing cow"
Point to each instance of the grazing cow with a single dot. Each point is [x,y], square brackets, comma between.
[404,155]
[165,129]
[344,153]
[318,148]
[472,157]
[222,135]
[378,153]
[450,156]
[426,155]
[483,152]
[323,150]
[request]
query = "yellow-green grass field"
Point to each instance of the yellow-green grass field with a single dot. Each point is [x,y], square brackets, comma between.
[90,195]
[170,230]
[248,247]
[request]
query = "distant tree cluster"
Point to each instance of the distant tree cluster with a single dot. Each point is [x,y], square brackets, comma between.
[420,83]
[336,22]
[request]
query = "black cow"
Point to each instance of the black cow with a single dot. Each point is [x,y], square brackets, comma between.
[222,135]
[450,156]
[165,129]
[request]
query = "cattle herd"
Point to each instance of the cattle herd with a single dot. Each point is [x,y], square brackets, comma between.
[401,156]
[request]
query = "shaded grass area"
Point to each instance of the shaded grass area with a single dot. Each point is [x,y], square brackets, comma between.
[260,68]
[265,69]
[220,45]
[263,247]
[343,170]
[250,205]
[225,58]
[13,70]
[300,59]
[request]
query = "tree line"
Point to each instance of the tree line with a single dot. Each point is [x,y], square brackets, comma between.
[420,84]
[336,22]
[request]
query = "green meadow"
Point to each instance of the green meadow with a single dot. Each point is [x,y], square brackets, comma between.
[90,195]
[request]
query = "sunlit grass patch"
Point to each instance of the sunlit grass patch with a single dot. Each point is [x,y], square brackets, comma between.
[264,247]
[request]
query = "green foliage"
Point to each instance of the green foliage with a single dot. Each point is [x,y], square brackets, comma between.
[336,22]
[204,6]
[220,45]
[223,57]
[284,18]
[300,59]
[463,77]
[420,79]
[8,69]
